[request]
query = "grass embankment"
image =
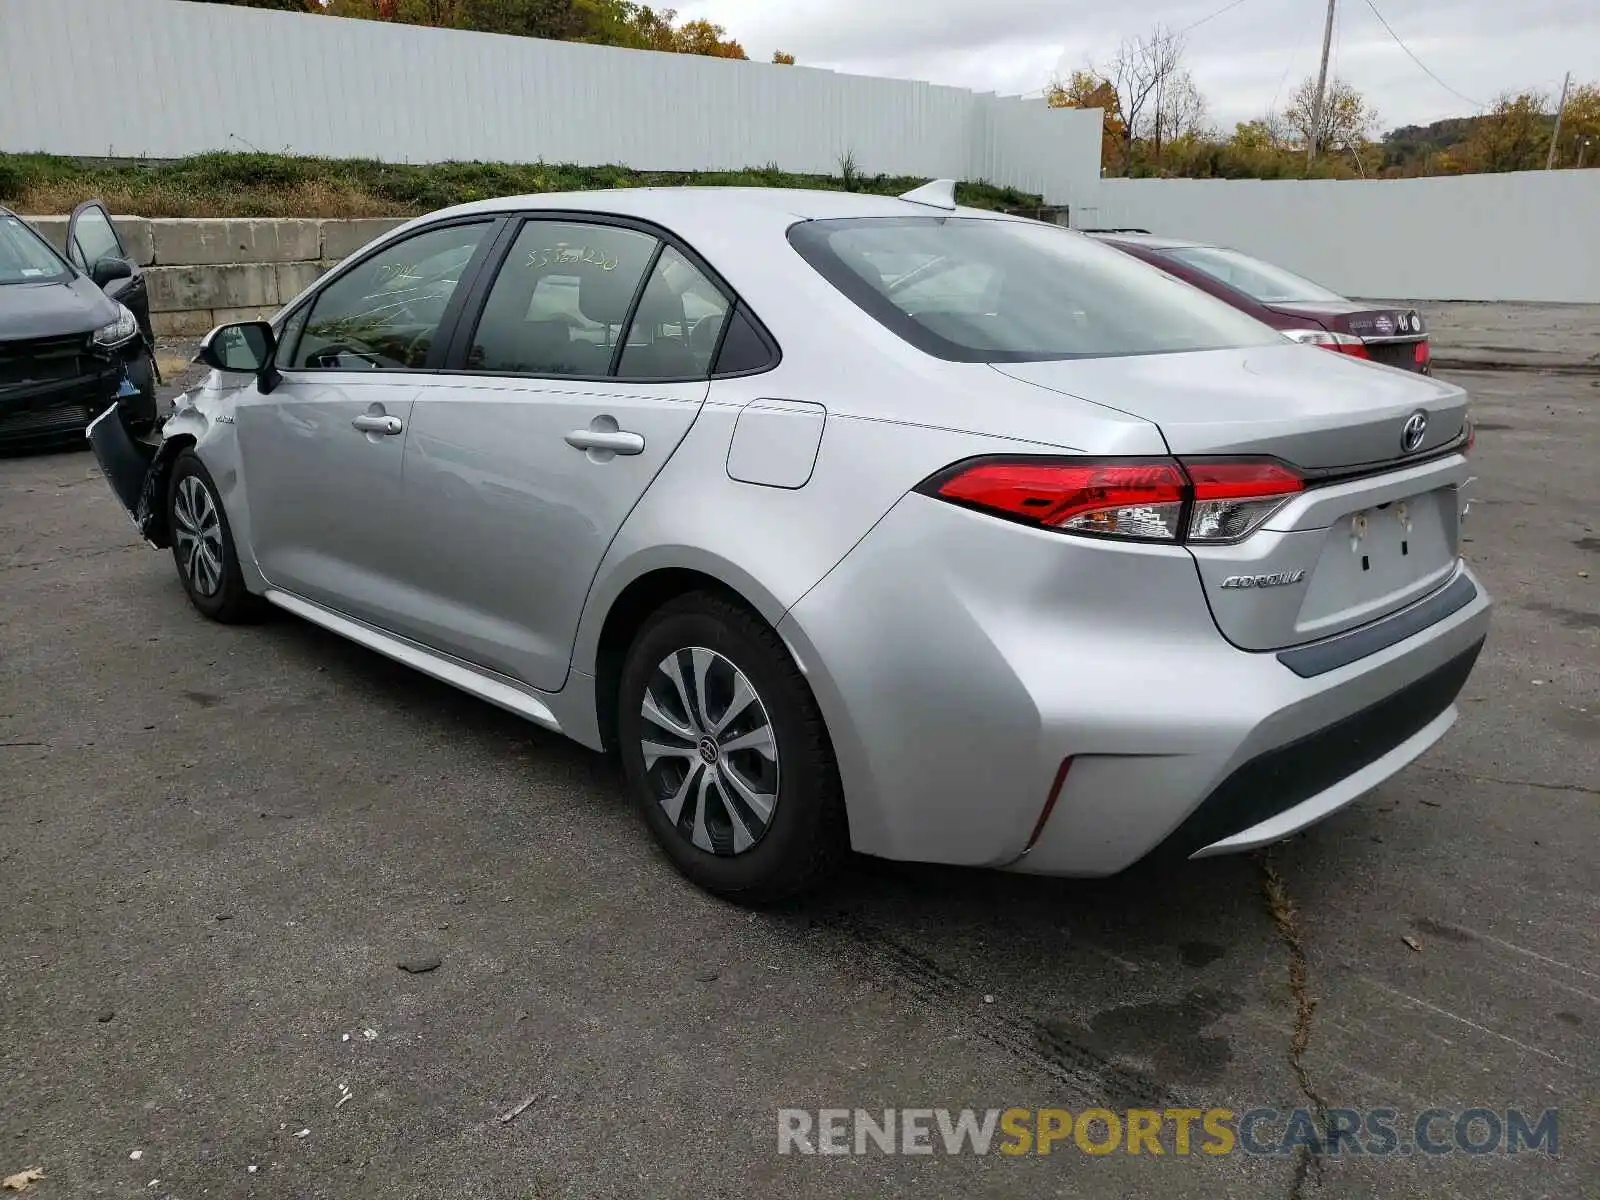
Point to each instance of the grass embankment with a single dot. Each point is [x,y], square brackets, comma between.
[275,185]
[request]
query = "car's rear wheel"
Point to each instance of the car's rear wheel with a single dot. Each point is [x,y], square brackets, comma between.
[202,544]
[727,753]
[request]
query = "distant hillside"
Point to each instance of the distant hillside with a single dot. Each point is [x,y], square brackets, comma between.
[1412,146]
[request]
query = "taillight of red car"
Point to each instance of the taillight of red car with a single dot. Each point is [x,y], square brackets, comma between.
[1143,500]
[1339,343]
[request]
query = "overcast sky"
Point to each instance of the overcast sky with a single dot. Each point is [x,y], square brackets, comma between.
[1245,60]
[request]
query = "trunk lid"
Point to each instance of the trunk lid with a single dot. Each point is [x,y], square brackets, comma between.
[1391,335]
[1340,554]
[1317,410]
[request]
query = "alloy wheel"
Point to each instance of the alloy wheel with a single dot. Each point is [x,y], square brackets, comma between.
[709,751]
[197,530]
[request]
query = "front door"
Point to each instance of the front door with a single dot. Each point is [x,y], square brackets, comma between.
[91,237]
[322,450]
[586,368]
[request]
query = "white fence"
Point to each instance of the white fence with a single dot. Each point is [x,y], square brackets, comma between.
[1529,235]
[164,79]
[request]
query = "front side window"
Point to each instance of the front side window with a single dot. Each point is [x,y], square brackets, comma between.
[561,299]
[96,239]
[677,325]
[981,290]
[1259,280]
[384,313]
[24,255]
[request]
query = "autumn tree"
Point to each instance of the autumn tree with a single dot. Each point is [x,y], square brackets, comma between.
[782,59]
[1085,89]
[278,5]
[1580,121]
[1346,119]
[603,22]
[1514,135]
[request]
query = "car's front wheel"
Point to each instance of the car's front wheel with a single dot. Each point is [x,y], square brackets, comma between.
[727,753]
[202,544]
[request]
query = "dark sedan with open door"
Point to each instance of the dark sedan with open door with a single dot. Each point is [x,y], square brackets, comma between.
[72,338]
[1303,310]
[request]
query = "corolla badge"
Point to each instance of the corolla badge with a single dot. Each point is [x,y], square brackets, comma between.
[1277,579]
[1413,431]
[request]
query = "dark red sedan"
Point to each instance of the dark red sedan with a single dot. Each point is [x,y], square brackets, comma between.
[1303,310]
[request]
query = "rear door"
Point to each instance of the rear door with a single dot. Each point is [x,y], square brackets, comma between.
[323,449]
[586,362]
[91,236]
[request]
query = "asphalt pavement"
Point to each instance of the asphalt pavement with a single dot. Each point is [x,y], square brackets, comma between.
[218,846]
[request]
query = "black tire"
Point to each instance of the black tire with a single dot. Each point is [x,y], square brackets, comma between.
[807,836]
[229,602]
[140,413]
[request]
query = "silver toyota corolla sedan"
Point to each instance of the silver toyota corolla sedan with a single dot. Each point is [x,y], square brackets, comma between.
[848,521]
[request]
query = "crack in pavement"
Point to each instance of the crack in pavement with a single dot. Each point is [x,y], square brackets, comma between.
[45,562]
[1547,787]
[1287,922]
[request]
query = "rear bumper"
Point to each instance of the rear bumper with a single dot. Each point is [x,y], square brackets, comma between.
[960,665]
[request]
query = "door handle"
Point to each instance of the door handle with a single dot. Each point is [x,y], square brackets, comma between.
[618,441]
[371,423]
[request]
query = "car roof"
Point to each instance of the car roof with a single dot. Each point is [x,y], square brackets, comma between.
[688,210]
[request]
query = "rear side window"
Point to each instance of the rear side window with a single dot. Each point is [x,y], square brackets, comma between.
[744,348]
[677,324]
[1259,280]
[561,300]
[979,290]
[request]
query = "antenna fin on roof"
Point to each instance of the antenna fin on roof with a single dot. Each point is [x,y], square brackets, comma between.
[941,193]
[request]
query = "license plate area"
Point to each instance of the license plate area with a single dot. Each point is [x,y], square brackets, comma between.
[1379,558]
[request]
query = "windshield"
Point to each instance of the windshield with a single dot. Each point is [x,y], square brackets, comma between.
[980,290]
[1256,279]
[25,257]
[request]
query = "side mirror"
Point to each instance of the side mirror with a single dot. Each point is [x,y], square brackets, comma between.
[108,270]
[246,346]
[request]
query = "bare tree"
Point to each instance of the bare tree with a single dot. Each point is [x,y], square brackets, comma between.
[1141,72]
[1179,112]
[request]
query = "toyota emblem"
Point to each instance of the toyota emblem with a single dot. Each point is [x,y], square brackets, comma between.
[1413,431]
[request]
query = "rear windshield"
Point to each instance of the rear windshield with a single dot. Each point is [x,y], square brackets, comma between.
[25,257]
[971,289]
[1256,279]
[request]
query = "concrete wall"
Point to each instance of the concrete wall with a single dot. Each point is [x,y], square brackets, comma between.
[203,273]
[1529,235]
[164,79]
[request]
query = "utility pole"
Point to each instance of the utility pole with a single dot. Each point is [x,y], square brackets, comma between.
[1322,86]
[1555,136]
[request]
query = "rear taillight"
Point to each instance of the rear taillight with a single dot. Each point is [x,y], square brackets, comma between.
[1131,499]
[1423,353]
[1232,499]
[1339,343]
[1146,500]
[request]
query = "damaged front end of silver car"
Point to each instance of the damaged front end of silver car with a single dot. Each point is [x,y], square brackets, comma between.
[138,472]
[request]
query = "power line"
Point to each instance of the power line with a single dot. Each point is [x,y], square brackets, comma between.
[1225,8]
[1475,103]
